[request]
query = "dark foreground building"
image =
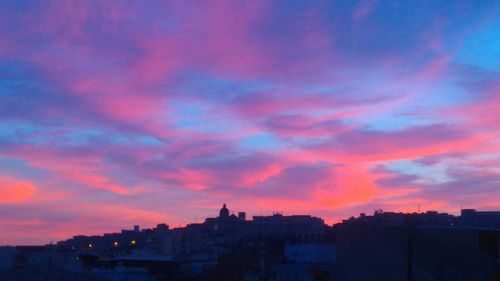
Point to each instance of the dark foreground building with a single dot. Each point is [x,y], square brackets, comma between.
[392,246]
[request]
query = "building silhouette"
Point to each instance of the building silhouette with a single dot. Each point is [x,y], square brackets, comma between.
[383,246]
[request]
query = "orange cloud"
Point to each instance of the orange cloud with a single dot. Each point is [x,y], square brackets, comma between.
[14,191]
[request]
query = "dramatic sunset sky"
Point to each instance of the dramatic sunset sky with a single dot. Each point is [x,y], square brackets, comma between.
[115,113]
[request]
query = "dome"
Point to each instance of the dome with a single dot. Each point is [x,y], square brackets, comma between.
[224,212]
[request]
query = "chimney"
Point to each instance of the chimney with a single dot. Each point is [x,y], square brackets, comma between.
[242,216]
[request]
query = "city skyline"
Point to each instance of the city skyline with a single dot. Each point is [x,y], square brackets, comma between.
[243,215]
[114,114]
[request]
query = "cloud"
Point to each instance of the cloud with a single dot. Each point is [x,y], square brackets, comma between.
[15,191]
[364,9]
[132,111]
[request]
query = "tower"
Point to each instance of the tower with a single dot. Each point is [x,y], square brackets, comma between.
[224,212]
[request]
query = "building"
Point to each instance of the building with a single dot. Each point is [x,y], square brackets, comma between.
[485,219]
[135,267]
[307,262]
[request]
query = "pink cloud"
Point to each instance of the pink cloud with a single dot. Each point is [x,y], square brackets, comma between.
[363,9]
[407,144]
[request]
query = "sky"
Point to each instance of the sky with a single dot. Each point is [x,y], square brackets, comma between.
[115,113]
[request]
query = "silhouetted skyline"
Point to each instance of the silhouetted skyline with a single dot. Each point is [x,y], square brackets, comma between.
[227,247]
